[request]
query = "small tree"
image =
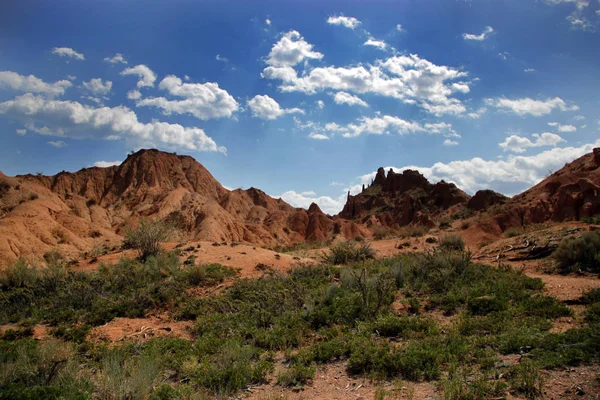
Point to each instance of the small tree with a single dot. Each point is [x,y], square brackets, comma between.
[146,237]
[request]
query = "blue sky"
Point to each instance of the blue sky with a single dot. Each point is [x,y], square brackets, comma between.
[304,99]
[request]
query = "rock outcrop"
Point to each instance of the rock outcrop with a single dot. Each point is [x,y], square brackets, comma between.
[399,199]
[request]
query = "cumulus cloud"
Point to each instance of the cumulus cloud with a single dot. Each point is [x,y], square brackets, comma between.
[563,128]
[530,70]
[21,132]
[147,77]
[410,79]
[116,59]
[482,36]
[290,50]
[509,176]
[318,136]
[67,52]
[449,142]
[21,83]
[74,120]
[328,204]
[519,144]
[380,44]
[387,124]
[106,164]
[202,100]
[320,104]
[347,98]
[399,28]
[347,22]
[526,106]
[134,94]
[264,107]
[98,87]
[57,143]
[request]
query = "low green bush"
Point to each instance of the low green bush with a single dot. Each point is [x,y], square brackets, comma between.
[582,253]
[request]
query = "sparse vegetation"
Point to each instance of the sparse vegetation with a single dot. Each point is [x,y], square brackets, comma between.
[412,231]
[579,254]
[452,242]
[380,232]
[348,252]
[147,237]
[313,315]
[512,232]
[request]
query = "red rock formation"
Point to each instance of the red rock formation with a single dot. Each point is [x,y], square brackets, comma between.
[400,199]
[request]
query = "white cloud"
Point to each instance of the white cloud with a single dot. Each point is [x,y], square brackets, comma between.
[563,128]
[399,28]
[221,58]
[519,144]
[98,87]
[147,77]
[67,52]
[318,136]
[347,98]
[320,104]
[327,204]
[387,124]
[74,120]
[504,55]
[508,176]
[71,77]
[116,59]
[525,106]
[106,164]
[202,100]
[484,35]
[449,142]
[410,79]
[57,143]
[21,83]
[134,94]
[290,50]
[264,107]
[578,118]
[268,21]
[477,114]
[578,21]
[21,132]
[348,22]
[530,70]
[380,44]
[93,99]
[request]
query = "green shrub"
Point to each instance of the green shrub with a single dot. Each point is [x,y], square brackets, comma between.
[296,375]
[527,378]
[146,237]
[513,232]
[582,253]
[348,252]
[452,242]
[404,327]
[380,232]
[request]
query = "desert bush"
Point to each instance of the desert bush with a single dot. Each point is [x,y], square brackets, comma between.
[33,196]
[582,253]
[208,274]
[40,370]
[296,375]
[465,225]
[512,232]
[19,275]
[380,232]
[452,242]
[527,378]
[348,252]
[466,384]
[147,237]
[413,231]
[404,327]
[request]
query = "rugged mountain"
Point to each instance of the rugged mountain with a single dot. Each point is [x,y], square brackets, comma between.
[92,207]
[571,193]
[399,199]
